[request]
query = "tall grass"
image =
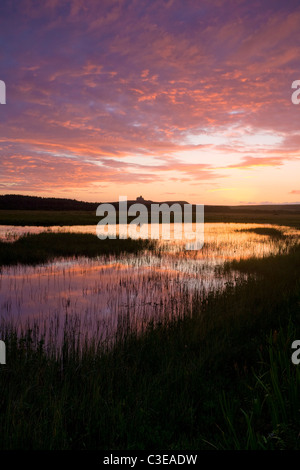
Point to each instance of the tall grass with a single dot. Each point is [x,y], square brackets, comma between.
[270,231]
[269,416]
[44,247]
[219,378]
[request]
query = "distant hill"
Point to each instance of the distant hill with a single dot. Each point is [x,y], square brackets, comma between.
[267,207]
[19,202]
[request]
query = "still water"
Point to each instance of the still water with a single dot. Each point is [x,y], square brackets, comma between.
[102,296]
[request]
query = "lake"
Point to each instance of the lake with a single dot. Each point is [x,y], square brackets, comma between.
[109,295]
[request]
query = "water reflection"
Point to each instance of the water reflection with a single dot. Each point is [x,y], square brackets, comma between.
[98,297]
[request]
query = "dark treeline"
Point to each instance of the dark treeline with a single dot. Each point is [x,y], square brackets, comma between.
[20,202]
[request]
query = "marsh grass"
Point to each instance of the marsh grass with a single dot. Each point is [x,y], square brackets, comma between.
[268,417]
[220,377]
[43,247]
[49,218]
[270,231]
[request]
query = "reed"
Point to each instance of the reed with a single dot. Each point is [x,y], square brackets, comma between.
[218,377]
[46,246]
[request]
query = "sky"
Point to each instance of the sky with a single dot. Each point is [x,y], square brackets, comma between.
[168,99]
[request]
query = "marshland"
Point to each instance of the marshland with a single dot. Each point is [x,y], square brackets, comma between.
[137,344]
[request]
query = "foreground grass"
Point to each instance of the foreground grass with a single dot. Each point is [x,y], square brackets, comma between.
[219,379]
[44,247]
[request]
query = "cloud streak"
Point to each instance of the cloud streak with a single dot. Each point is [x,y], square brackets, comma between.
[90,86]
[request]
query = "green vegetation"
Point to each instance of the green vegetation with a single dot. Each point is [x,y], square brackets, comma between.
[44,247]
[49,218]
[270,231]
[219,379]
[284,218]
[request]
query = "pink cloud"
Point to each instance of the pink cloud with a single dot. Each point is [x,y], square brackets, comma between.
[95,84]
[251,162]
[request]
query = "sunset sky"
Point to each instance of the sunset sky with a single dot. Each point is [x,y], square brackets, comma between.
[171,99]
